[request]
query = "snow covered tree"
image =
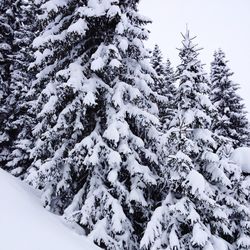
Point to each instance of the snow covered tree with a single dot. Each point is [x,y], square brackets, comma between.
[94,154]
[16,123]
[6,38]
[205,206]
[163,85]
[169,77]
[157,63]
[231,121]
[170,93]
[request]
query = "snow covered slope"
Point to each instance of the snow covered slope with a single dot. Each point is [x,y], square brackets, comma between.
[26,225]
[241,156]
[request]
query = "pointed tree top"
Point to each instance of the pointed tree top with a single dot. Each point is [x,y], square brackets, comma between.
[157,51]
[220,56]
[187,42]
[219,53]
[156,54]
[156,47]
[187,34]
[168,63]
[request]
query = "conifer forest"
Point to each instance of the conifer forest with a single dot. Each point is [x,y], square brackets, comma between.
[119,142]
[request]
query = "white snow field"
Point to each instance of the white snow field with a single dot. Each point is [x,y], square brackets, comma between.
[26,225]
[241,156]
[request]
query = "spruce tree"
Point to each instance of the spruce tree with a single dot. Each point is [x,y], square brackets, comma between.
[169,78]
[170,93]
[95,139]
[231,121]
[205,205]
[164,86]
[6,38]
[16,125]
[158,66]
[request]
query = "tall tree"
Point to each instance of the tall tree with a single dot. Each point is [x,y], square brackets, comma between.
[169,77]
[164,86]
[170,93]
[202,207]
[231,121]
[94,154]
[16,124]
[6,38]
[158,66]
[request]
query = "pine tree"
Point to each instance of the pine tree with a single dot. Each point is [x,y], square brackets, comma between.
[95,140]
[163,85]
[231,121]
[205,193]
[17,122]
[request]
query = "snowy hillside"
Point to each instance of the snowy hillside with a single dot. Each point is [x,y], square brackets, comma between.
[26,225]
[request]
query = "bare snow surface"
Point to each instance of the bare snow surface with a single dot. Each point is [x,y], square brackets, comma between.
[26,225]
[241,156]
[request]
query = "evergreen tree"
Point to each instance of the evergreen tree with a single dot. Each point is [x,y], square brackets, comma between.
[170,93]
[158,66]
[169,77]
[17,122]
[95,139]
[231,121]
[164,86]
[6,38]
[206,200]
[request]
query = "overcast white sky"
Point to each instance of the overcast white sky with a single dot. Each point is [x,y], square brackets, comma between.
[216,23]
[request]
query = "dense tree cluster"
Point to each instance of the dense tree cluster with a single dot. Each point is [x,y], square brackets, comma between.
[17,32]
[118,141]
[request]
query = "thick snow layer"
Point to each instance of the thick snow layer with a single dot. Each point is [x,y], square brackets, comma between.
[26,225]
[241,156]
